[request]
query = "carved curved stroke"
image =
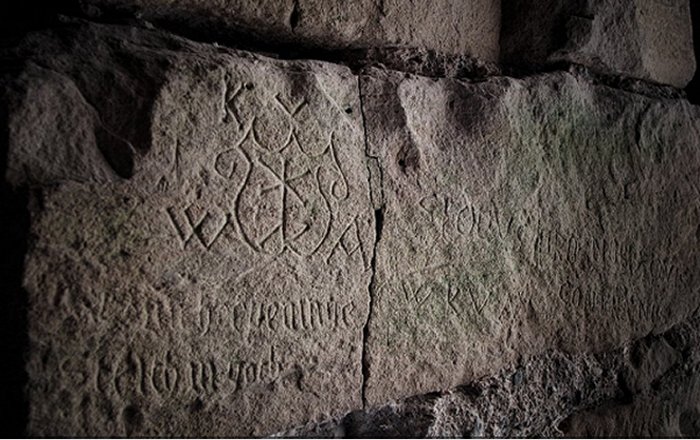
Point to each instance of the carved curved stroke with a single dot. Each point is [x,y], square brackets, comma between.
[239,192]
[327,230]
[344,178]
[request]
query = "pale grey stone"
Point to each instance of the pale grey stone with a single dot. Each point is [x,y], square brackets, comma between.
[203,259]
[521,216]
[446,26]
[207,275]
[648,39]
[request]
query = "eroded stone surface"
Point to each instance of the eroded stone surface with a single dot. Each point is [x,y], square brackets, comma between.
[207,275]
[663,380]
[524,215]
[552,395]
[649,39]
[452,27]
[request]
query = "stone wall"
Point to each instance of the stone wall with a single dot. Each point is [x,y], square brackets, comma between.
[327,218]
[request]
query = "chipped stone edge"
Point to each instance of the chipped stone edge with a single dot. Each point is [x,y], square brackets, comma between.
[506,382]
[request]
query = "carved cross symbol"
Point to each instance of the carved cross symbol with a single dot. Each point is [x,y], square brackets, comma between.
[283,180]
[283,185]
[299,209]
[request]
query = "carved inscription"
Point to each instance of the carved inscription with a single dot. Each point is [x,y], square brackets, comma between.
[280,195]
[446,286]
[602,254]
[205,228]
[605,267]
[545,247]
[159,313]
[87,306]
[452,217]
[172,376]
[231,95]
[225,284]
[350,244]
[301,314]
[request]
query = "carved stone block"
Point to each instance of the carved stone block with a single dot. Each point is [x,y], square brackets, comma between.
[202,236]
[522,216]
[647,39]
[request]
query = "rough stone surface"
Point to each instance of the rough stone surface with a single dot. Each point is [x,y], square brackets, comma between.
[453,27]
[551,395]
[648,39]
[224,244]
[201,234]
[521,216]
[417,61]
[660,377]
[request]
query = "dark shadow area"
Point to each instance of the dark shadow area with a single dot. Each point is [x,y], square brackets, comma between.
[14,228]
[411,419]
[18,18]
[693,89]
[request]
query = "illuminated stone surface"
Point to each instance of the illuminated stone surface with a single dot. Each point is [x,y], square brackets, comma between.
[211,231]
[521,216]
[205,278]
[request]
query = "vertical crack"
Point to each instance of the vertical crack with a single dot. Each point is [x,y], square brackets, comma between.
[382,7]
[294,16]
[375,177]
[379,224]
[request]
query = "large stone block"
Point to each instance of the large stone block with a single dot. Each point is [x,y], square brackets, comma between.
[203,241]
[521,216]
[454,27]
[201,236]
[647,39]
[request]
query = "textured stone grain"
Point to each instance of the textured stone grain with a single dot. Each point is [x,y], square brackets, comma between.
[201,233]
[550,395]
[223,244]
[662,381]
[521,216]
[453,27]
[648,39]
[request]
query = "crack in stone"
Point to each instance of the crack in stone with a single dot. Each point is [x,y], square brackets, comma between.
[586,383]
[294,16]
[379,225]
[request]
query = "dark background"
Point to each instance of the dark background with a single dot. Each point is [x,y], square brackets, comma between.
[17,18]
